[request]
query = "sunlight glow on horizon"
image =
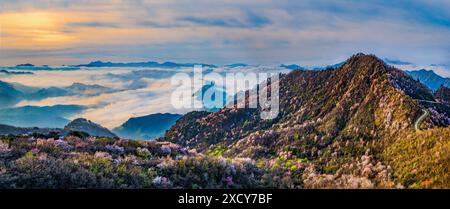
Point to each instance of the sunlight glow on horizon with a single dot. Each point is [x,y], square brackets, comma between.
[221,32]
[33,29]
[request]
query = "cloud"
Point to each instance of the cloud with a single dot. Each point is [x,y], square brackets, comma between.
[153,24]
[142,92]
[93,24]
[220,32]
[250,20]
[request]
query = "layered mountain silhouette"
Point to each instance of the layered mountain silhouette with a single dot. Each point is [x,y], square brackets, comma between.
[143,64]
[9,95]
[430,78]
[18,69]
[299,67]
[15,72]
[78,126]
[44,117]
[12,130]
[236,65]
[12,93]
[292,67]
[147,127]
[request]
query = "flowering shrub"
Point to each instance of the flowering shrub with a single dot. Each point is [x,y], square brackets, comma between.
[229,181]
[73,162]
[143,153]
[63,145]
[365,173]
[4,148]
[165,150]
[103,155]
[161,182]
[114,149]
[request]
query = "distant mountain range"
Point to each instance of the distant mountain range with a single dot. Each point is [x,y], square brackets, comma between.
[12,130]
[146,127]
[152,64]
[15,72]
[429,78]
[79,126]
[143,64]
[25,65]
[396,62]
[32,67]
[149,64]
[299,67]
[292,67]
[9,95]
[235,65]
[12,93]
[43,117]
[37,116]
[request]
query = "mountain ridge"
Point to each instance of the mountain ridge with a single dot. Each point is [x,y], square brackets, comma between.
[328,121]
[78,126]
[337,82]
[12,93]
[429,78]
[146,127]
[142,64]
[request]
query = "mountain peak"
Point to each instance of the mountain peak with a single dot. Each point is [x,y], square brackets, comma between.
[425,70]
[365,58]
[89,127]
[367,66]
[147,127]
[25,65]
[81,120]
[351,101]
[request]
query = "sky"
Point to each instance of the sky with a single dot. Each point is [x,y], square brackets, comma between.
[310,32]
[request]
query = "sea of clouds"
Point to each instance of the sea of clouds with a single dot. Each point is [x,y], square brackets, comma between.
[138,91]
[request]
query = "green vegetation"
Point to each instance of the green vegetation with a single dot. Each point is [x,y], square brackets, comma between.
[421,159]
[217,151]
